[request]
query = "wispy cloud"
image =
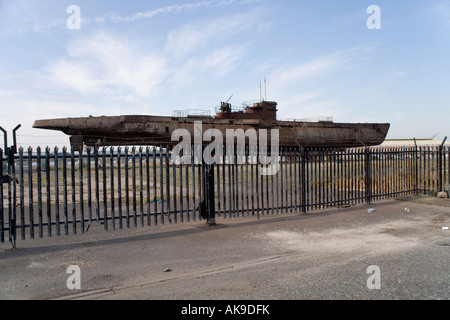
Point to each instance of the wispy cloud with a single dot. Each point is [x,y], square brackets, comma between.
[109,66]
[302,97]
[322,66]
[303,88]
[172,9]
[20,17]
[442,11]
[102,62]
[224,60]
[210,47]
[308,70]
[308,104]
[23,16]
[194,36]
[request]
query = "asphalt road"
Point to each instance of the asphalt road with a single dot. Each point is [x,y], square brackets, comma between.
[322,255]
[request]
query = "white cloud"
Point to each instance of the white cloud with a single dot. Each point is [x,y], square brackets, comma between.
[20,17]
[196,36]
[307,70]
[306,84]
[159,11]
[103,63]
[291,82]
[325,65]
[185,39]
[219,63]
[322,66]
[171,9]
[301,98]
[224,60]
[209,47]
[441,11]
[74,75]
[308,104]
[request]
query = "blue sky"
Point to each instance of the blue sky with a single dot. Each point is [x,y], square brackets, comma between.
[319,58]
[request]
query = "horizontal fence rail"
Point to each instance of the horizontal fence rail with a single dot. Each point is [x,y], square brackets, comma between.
[56,192]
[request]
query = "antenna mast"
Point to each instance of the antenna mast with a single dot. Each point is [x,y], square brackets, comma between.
[265,89]
[260,98]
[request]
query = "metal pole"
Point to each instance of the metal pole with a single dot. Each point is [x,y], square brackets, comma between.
[368,176]
[302,179]
[440,156]
[211,205]
[39,190]
[30,192]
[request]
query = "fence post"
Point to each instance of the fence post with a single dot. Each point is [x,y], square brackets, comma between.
[416,168]
[303,156]
[368,177]
[211,205]
[207,208]
[441,154]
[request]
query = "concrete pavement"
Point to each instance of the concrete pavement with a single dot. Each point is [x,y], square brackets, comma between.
[321,255]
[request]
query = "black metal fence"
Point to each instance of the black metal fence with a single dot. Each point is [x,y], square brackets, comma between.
[57,192]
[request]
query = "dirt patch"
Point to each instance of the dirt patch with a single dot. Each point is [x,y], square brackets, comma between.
[439,218]
[375,238]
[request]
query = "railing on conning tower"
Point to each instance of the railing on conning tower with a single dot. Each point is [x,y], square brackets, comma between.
[250,103]
[191,113]
[242,108]
[232,109]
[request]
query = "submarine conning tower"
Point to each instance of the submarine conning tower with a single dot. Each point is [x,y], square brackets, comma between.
[263,110]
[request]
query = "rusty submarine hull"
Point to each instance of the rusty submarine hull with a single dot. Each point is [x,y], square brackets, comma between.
[157,130]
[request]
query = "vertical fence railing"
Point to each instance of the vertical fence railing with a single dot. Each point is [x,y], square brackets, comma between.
[58,192]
